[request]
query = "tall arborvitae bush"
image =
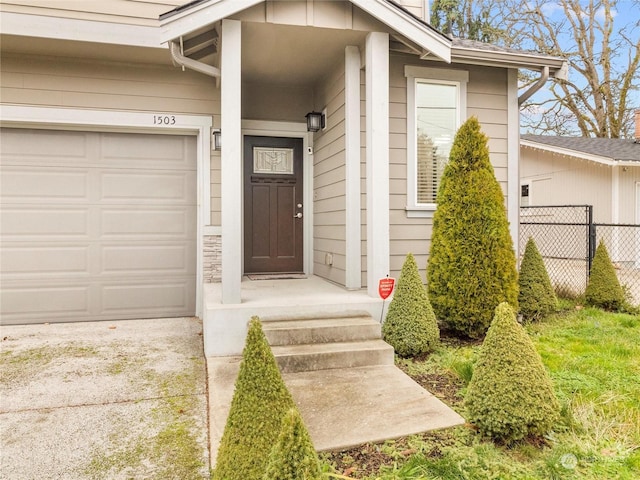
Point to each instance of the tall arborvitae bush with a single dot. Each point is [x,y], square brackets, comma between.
[259,404]
[604,290]
[537,297]
[293,456]
[472,265]
[510,395]
[410,327]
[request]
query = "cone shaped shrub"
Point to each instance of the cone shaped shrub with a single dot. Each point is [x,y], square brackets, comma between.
[537,297]
[410,327]
[604,290]
[259,404]
[472,265]
[510,395]
[293,456]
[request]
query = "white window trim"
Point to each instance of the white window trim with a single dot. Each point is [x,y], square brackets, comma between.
[415,74]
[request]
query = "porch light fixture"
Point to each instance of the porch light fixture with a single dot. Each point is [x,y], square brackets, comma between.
[216,137]
[315,121]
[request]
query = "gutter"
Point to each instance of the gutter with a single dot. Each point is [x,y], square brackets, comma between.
[185,62]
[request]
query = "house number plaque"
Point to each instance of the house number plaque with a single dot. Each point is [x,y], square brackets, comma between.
[164,119]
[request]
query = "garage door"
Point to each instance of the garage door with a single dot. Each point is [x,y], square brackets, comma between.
[96,226]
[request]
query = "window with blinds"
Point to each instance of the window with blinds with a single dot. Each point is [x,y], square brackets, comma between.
[436,122]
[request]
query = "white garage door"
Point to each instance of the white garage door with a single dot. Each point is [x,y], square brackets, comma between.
[96,226]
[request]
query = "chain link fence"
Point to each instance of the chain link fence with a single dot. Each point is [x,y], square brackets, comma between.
[567,238]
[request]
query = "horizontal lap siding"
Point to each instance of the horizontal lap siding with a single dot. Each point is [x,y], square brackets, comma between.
[69,83]
[135,12]
[486,99]
[559,180]
[329,183]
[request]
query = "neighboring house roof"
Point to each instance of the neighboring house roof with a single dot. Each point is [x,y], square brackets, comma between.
[608,151]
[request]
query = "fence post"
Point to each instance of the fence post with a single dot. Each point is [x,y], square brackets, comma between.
[591,233]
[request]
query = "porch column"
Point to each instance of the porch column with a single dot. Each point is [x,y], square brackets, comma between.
[377,138]
[352,148]
[231,161]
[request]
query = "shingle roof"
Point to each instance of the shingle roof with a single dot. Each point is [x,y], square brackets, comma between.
[489,47]
[620,150]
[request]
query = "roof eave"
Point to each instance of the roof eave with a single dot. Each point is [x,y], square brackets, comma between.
[198,16]
[557,65]
[609,161]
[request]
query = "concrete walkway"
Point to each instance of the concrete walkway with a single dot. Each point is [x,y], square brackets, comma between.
[341,407]
[99,400]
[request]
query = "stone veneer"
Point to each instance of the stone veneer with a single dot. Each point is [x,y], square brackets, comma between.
[212,261]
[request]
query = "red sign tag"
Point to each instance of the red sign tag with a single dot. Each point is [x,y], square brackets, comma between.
[385,287]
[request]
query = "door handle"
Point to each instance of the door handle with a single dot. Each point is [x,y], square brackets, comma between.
[298,215]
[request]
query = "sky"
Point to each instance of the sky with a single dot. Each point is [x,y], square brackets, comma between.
[627,12]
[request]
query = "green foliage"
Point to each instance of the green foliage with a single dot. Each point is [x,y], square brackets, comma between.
[259,404]
[470,19]
[410,327]
[592,357]
[537,297]
[293,456]
[510,395]
[604,290]
[472,265]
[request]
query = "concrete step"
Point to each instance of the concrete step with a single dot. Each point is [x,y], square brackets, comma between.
[321,330]
[325,356]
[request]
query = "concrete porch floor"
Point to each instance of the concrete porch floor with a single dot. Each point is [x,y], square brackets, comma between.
[225,325]
[341,407]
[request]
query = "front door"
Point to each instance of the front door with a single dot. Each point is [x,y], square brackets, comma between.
[272,204]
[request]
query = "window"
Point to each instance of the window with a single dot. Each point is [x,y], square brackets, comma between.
[436,103]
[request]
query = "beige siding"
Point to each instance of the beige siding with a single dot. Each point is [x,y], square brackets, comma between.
[284,103]
[70,83]
[487,99]
[629,203]
[414,6]
[329,182]
[135,12]
[560,180]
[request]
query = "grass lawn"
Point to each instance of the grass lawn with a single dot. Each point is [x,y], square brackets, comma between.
[593,358]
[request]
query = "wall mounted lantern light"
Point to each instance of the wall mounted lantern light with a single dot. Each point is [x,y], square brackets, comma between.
[216,137]
[315,121]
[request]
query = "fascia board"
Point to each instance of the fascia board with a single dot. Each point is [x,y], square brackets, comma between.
[41,26]
[388,14]
[507,59]
[200,16]
[572,153]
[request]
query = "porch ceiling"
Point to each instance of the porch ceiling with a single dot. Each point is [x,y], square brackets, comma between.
[292,55]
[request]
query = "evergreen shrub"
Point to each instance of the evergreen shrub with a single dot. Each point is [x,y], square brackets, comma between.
[510,395]
[259,404]
[536,298]
[604,290]
[293,456]
[472,264]
[410,327]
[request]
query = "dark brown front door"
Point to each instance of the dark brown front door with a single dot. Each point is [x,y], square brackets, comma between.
[272,204]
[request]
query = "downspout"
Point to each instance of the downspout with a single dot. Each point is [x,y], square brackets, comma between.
[535,87]
[183,61]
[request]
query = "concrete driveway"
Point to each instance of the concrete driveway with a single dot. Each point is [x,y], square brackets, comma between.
[123,399]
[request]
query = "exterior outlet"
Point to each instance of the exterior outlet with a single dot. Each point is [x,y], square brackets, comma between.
[328,259]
